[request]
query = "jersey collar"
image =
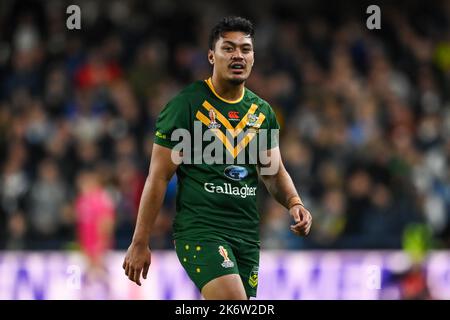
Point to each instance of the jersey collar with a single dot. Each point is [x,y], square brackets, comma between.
[210,85]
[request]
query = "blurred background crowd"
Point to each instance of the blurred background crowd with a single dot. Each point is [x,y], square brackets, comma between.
[364,114]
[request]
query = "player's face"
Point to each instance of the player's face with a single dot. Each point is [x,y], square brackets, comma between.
[233,56]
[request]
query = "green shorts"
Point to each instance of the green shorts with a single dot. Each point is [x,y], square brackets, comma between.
[207,260]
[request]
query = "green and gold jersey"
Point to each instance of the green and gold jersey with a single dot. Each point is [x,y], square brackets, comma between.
[217,201]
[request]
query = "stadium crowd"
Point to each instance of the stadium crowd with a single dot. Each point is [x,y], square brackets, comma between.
[364,115]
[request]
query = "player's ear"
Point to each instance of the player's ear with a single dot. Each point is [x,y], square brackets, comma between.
[211,57]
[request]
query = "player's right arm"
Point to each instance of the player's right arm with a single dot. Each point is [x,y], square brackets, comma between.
[138,257]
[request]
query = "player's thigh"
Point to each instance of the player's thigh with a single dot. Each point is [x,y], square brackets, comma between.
[247,257]
[227,287]
[206,261]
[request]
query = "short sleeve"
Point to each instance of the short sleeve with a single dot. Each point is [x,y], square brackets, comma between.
[174,116]
[273,129]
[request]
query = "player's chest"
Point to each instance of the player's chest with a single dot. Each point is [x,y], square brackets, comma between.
[235,127]
[229,119]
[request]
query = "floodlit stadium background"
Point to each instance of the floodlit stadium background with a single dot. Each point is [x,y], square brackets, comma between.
[365,118]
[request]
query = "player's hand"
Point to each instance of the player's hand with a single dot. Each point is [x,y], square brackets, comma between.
[137,260]
[302,219]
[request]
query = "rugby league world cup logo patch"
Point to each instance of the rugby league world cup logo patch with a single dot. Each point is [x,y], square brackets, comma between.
[227,263]
[212,117]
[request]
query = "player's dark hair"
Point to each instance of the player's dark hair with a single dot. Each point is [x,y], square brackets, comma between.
[227,24]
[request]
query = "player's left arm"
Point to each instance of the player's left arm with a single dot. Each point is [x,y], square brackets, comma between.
[280,185]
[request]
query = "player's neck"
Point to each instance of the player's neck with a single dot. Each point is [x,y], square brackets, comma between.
[227,90]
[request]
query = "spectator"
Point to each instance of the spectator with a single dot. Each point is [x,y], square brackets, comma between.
[48,197]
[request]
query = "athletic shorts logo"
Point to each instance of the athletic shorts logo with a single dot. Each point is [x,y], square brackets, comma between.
[212,117]
[235,173]
[227,263]
[253,278]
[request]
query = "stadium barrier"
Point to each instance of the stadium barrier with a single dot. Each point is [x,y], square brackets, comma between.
[283,275]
